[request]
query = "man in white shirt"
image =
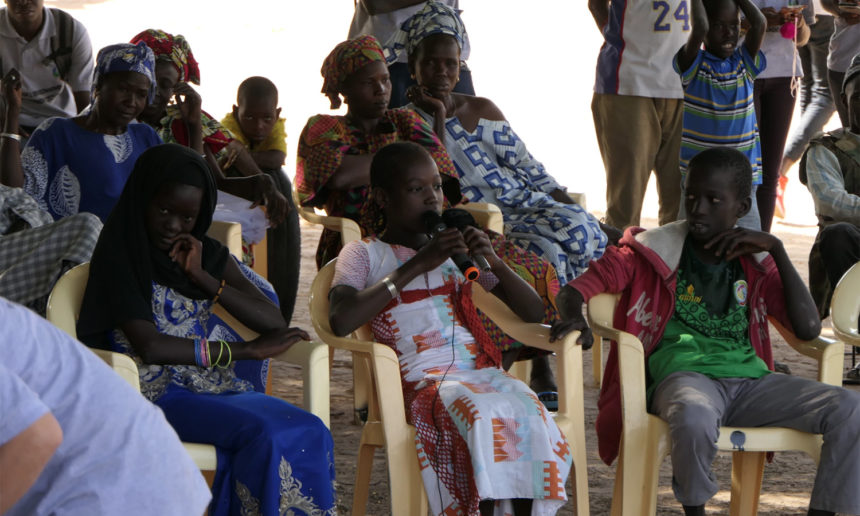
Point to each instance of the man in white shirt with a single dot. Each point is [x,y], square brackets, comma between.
[53,53]
[638,103]
[75,438]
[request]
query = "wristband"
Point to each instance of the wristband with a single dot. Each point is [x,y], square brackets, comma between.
[11,136]
[392,288]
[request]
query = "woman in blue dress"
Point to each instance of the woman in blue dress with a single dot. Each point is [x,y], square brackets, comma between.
[154,280]
[80,164]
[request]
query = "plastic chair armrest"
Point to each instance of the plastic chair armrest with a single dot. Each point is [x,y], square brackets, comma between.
[827,352]
[487,215]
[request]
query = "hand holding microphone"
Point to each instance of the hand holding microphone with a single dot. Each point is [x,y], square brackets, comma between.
[461,219]
[464,222]
[435,226]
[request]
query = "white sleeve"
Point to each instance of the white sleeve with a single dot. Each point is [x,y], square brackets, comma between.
[19,405]
[81,73]
[353,266]
[825,183]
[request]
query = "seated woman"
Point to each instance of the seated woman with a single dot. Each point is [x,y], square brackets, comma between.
[493,163]
[81,164]
[463,405]
[187,124]
[334,154]
[154,280]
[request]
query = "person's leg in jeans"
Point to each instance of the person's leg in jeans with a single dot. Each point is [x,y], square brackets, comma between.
[774,106]
[693,406]
[835,78]
[809,406]
[816,102]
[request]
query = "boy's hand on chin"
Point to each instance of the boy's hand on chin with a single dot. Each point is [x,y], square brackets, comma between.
[740,241]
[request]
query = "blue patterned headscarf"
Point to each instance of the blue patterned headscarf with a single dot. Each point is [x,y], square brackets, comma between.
[125,57]
[435,18]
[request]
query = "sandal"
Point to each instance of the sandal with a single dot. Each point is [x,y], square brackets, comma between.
[549,400]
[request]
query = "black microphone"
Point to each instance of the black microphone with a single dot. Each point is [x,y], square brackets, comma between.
[459,218]
[434,224]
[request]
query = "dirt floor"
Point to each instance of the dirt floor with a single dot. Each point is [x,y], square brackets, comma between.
[787,481]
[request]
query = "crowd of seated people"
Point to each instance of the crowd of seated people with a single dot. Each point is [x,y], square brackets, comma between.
[112,161]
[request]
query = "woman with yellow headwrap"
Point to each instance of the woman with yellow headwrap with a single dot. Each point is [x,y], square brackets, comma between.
[333,168]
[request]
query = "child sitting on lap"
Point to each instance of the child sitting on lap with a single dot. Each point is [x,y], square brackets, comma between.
[461,402]
[697,293]
[255,122]
[718,87]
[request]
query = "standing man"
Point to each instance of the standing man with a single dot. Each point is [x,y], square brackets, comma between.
[638,103]
[52,51]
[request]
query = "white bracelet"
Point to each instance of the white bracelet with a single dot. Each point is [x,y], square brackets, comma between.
[12,136]
[392,288]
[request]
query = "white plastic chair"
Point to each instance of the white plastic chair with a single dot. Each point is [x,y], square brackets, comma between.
[845,306]
[645,437]
[386,425]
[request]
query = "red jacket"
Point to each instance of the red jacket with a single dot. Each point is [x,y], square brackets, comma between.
[643,269]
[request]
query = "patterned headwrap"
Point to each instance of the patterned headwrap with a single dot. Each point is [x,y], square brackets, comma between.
[435,18]
[125,57]
[852,72]
[173,49]
[347,58]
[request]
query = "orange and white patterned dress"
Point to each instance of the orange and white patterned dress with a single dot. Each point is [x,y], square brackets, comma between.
[481,433]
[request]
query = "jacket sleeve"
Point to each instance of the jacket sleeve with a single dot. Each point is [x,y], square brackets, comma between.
[611,273]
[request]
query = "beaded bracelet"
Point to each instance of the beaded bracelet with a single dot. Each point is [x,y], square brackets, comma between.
[218,294]
[201,352]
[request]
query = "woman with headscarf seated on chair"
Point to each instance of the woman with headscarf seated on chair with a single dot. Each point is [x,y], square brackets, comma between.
[155,278]
[81,164]
[184,122]
[493,163]
[334,154]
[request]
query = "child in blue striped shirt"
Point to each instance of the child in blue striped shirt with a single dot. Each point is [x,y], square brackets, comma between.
[718,86]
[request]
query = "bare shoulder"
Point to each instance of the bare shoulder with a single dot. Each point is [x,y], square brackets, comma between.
[481,107]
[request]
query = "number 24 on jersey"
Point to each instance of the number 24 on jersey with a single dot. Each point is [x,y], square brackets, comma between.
[663,23]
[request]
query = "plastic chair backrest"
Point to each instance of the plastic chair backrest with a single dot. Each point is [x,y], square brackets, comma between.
[229,234]
[347,228]
[845,306]
[64,302]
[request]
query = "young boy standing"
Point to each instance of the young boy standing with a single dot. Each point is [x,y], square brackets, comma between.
[255,121]
[697,293]
[718,86]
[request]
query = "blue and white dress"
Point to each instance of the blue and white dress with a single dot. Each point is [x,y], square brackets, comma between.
[273,458]
[69,169]
[495,167]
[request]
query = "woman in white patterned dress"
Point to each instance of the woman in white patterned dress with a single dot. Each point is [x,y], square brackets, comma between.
[486,444]
[493,163]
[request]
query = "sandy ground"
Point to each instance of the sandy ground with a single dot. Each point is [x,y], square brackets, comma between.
[787,481]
